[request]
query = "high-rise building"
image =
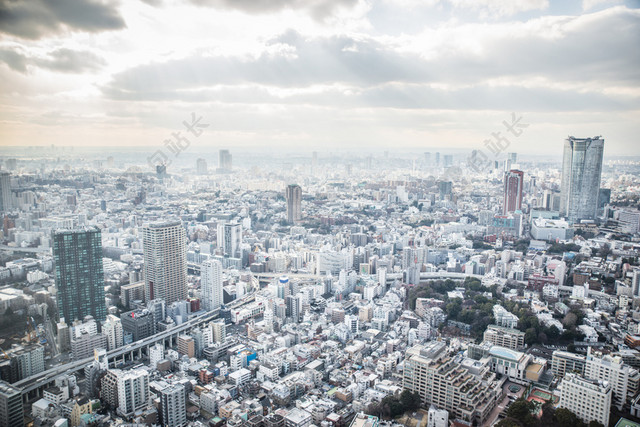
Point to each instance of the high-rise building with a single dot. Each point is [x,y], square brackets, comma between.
[624,380]
[201,167]
[112,328]
[211,284]
[173,410]
[165,256]
[294,202]
[444,188]
[5,191]
[11,411]
[229,238]
[219,331]
[581,171]
[590,400]
[77,255]
[513,181]
[133,391]
[224,164]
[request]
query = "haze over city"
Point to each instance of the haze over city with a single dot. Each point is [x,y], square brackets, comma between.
[323,74]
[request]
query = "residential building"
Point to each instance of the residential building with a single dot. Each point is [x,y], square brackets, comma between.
[589,399]
[165,268]
[173,411]
[293,195]
[465,388]
[77,256]
[211,284]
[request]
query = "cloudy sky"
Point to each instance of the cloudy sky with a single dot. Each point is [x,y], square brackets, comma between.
[320,74]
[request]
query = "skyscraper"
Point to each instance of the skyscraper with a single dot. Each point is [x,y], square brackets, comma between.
[77,255]
[513,181]
[5,191]
[294,201]
[201,166]
[229,238]
[581,171]
[165,267]
[224,163]
[211,284]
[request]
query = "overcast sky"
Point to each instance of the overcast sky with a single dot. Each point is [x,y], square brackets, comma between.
[320,74]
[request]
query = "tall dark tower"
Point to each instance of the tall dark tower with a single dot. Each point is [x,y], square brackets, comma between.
[77,255]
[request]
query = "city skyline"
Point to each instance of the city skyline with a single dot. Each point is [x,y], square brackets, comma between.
[328,74]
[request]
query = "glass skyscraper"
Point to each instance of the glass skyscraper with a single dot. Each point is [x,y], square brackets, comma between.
[581,171]
[77,255]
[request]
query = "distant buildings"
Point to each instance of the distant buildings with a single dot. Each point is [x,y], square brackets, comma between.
[5,191]
[581,171]
[229,238]
[79,276]
[224,163]
[294,201]
[513,183]
[201,167]
[165,268]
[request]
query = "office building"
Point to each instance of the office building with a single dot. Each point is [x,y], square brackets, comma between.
[201,167]
[224,164]
[211,284]
[77,256]
[563,362]
[139,323]
[229,238]
[624,380]
[173,410]
[85,343]
[165,267]
[133,391]
[465,388]
[293,195]
[581,171]
[589,399]
[11,411]
[5,192]
[513,182]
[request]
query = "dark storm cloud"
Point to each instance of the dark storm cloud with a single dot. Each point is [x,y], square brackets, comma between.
[33,19]
[319,9]
[60,60]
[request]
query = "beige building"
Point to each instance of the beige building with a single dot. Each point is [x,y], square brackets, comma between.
[464,387]
[504,337]
[588,399]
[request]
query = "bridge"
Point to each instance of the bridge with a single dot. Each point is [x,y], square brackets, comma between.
[19,249]
[37,383]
